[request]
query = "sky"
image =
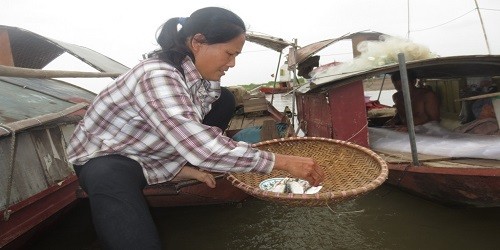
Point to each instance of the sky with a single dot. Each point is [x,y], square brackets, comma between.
[125,30]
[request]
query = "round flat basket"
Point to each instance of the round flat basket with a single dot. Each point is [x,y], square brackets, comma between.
[350,171]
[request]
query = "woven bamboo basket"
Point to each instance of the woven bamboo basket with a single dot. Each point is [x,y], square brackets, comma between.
[350,171]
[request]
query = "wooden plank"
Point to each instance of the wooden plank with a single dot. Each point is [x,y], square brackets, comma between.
[51,152]
[400,157]
[28,177]
[479,97]
[255,108]
[269,131]
[254,103]
[437,161]
[42,73]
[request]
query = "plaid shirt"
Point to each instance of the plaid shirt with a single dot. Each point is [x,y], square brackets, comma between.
[152,114]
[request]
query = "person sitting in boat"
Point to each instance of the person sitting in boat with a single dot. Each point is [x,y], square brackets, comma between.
[424,103]
[167,110]
[485,122]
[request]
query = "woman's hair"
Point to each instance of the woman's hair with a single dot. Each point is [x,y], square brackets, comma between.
[217,25]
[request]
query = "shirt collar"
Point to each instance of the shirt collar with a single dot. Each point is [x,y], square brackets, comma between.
[192,75]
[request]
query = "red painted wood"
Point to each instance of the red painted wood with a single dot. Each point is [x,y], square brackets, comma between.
[478,187]
[348,113]
[339,114]
[30,215]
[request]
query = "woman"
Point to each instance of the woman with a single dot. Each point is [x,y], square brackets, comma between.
[144,127]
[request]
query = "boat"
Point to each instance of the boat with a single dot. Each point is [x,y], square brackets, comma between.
[441,165]
[37,116]
[275,90]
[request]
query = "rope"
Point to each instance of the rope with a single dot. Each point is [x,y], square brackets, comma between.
[444,22]
[366,125]
[7,212]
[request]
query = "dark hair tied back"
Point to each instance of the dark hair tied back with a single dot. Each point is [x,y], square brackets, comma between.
[216,24]
[182,20]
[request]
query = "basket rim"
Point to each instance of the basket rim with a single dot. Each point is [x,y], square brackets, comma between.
[325,196]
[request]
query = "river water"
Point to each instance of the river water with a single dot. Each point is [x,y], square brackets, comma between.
[385,218]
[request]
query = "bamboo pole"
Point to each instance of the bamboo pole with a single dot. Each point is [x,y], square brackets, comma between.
[39,120]
[482,26]
[40,73]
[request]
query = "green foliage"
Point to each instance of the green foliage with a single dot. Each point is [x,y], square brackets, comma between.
[252,86]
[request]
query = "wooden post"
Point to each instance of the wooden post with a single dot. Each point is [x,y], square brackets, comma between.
[269,130]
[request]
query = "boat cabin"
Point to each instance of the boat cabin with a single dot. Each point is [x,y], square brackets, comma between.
[336,109]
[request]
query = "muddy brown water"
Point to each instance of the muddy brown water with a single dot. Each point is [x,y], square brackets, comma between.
[386,218]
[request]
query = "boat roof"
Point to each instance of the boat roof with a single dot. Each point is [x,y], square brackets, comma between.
[30,50]
[302,53]
[25,98]
[271,42]
[439,67]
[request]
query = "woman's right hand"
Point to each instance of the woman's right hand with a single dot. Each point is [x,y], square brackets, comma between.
[300,167]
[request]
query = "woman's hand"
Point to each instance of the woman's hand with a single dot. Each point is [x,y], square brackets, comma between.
[300,167]
[188,172]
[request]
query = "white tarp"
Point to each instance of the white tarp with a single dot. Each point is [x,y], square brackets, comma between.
[432,139]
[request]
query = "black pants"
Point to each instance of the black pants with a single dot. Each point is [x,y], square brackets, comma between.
[114,186]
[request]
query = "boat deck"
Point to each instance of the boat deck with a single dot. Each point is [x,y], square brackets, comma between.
[438,161]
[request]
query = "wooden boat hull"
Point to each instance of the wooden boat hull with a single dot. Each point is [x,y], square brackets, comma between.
[188,193]
[477,187]
[194,195]
[31,215]
[37,116]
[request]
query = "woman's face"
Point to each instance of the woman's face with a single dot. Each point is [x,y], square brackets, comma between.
[213,60]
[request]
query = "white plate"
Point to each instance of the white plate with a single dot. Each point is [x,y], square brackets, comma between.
[269,183]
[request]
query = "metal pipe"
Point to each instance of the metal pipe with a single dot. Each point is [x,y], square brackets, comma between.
[409,113]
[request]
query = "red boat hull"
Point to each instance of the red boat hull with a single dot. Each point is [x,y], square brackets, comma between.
[188,193]
[450,186]
[29,216]
[271,90]
[194,195]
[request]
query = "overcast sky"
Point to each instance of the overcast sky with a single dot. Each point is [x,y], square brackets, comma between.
[124,30]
